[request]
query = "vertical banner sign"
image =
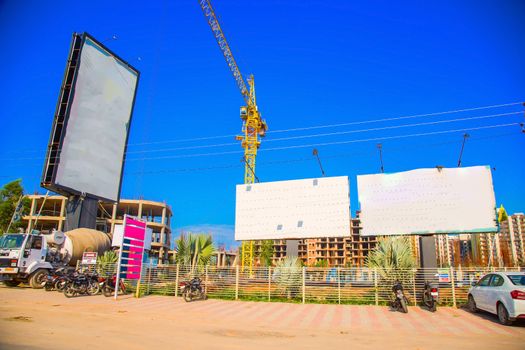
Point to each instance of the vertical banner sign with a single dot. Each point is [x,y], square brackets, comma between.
[131,250]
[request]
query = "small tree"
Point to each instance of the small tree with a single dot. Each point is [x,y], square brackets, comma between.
[10,194]
[321,263]
[266,253]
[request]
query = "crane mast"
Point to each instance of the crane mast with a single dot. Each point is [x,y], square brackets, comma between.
[253,127]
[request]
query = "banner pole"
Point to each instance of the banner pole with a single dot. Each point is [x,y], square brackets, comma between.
[137,293]
[117,280]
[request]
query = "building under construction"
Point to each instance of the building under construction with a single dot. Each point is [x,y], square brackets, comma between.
[329,251]
[49,213]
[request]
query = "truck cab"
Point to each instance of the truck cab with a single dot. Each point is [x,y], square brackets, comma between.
[23,259]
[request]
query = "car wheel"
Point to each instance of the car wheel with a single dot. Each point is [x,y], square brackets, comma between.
[472,304]
[503,315]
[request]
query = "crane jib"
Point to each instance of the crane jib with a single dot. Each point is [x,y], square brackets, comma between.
[207,9]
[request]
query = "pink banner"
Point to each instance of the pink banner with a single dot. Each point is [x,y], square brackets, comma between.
[131,269]
[132,255]
[132,276]
[134,232]
[131,221]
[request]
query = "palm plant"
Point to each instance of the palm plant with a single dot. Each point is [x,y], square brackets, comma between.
[289,276]
[194,250]
[393,259]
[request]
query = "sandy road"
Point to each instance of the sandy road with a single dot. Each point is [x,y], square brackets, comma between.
[35,319]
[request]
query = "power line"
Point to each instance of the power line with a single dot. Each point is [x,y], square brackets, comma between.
[397,118]
[330,134]
[314,127]
[331,143]
[295,160]
[343,124]
[309,159]
[302,136]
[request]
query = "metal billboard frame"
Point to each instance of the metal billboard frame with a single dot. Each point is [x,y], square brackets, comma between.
[62,113]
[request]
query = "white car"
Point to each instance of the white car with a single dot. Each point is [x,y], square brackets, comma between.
[500,293]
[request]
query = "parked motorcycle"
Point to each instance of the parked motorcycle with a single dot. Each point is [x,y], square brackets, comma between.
[57,280]
[82,283]
[430,296]
[400,301]
[108,286]
[192,290]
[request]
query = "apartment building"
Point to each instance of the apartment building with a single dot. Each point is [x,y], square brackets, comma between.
[49,213]
[334,251]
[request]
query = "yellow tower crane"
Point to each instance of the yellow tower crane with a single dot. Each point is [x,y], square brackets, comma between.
[253,125]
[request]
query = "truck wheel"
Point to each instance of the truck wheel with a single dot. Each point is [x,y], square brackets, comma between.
[12,283]
[37,279]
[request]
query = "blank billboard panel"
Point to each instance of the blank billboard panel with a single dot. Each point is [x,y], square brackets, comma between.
[293,209]
[425,201]
[95,125]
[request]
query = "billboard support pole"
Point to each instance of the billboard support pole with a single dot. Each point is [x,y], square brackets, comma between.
[380,148]
[81,211]
[465,137]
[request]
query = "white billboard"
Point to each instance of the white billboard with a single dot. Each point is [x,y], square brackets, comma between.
[293,209]
[425,201]
[94,134]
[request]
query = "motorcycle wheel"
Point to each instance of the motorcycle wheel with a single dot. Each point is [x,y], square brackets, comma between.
[93,288]
[187,295]
[48,287]
[107,291]
[60,285]
[394,305]
[69,292]
[403,303]
[433,306]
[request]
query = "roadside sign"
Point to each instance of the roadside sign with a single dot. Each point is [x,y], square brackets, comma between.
[444,275]
[131,250]
[89,258]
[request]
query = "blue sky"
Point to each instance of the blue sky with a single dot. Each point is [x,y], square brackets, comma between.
[316,63]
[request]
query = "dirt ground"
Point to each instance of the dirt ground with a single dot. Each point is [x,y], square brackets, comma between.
[35,319]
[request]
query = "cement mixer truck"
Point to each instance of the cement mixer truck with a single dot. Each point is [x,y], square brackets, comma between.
[28,258]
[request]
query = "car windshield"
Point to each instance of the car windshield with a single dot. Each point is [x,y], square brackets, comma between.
[518,280]
[11,241]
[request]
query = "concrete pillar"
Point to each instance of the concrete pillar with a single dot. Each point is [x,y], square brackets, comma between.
[62,214]
[512,241]
[31,213]
[140,210]
[113,217]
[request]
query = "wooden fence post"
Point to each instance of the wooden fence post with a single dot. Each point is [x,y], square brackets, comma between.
[452,281]
[375,286]
[236,282]
[206,280]
[269,283]
[177,281]
[148,283]
[304,284]
[414,286]
[339,285]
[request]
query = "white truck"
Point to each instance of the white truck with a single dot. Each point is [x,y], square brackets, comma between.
[28,258]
